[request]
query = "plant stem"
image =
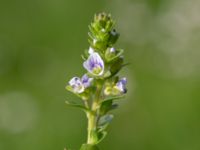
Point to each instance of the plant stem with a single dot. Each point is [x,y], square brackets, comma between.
[93,116]
[91,127]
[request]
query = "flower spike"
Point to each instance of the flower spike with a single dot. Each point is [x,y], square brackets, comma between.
[100,87]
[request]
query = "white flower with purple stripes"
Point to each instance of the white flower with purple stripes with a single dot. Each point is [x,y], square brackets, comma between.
[79,85]
[94,64]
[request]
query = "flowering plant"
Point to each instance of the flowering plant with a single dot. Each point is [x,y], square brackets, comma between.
[100,86]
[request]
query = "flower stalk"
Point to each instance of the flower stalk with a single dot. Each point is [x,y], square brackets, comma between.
[94,115]
[100,86]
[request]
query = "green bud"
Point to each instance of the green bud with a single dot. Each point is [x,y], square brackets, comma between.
[105,107]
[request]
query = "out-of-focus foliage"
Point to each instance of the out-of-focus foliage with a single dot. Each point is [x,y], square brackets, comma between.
[40,47]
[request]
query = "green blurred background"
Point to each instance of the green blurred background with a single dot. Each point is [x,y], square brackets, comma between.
[40,46]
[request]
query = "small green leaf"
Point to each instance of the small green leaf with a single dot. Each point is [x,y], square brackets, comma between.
[107,104]
[102,128]
[105,119]
[89,147]
[112,98]
[119,53]
[116,65]
[69,88]
[72,104]
[83,96]
[113,37]
[101,136]
[114,106]
[105,107]
[98,136]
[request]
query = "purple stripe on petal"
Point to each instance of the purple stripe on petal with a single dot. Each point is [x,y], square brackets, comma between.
[77,85]
[94,64]
[124,81]
[86,81]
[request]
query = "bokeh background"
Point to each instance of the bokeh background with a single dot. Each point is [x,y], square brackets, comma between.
[40,46]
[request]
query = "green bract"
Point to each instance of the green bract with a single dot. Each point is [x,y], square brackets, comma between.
[100,87]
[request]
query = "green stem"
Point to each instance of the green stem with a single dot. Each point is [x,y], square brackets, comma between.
[91,127]
[93,116]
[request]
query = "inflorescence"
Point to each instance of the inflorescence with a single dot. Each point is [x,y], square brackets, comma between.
[100,86]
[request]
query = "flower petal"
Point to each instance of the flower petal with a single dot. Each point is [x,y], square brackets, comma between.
[77,85]
[91,50]
[121,85]
[94,64]
[86,81]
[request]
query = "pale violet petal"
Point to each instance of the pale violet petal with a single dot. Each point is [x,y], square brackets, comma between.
[76,85]
[86,65]
[124,81]
[121,85]
[94,62]
[74,81]
[86,81]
